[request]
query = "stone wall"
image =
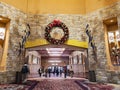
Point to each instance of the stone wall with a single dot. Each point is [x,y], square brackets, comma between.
[75,24]
[13,62]
[95,20]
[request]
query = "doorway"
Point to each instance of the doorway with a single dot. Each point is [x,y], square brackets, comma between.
[55,58]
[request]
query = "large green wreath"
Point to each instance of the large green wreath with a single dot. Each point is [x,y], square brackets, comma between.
[52,25]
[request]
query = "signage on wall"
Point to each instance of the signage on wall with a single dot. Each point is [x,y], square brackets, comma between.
[2,33]
[117,35]
[111,37]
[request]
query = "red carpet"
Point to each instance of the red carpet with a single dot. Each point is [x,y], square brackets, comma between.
[29,85]
[57,85]
[12,87]
[91,86]
[69,84]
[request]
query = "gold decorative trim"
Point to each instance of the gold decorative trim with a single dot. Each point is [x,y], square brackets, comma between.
[77,43]
[39,42]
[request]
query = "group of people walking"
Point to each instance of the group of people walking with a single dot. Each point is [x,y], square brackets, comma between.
[56,72]
[48,72]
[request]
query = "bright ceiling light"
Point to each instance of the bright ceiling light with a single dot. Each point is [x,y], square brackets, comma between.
[56,61]
[112,20]
[54,64]
[55,54]
[55,51]
[1,18]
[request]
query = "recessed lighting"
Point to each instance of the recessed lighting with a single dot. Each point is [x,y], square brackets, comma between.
[111,20]
[54,64]
[55,51]
[58,61]
[56,54]
[1,18]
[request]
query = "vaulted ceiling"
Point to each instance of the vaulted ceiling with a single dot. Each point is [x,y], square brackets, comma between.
[59,6]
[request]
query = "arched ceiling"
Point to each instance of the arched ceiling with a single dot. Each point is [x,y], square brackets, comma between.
[59,6]
[92,5]
[49,6]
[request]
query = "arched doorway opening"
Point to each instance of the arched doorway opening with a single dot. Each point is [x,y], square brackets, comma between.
[56,57]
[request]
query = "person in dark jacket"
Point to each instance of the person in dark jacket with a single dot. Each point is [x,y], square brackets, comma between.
[40,72]
[25,70]
[49,72]
[65,71]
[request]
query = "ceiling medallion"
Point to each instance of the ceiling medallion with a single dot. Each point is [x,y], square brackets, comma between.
[56,32]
